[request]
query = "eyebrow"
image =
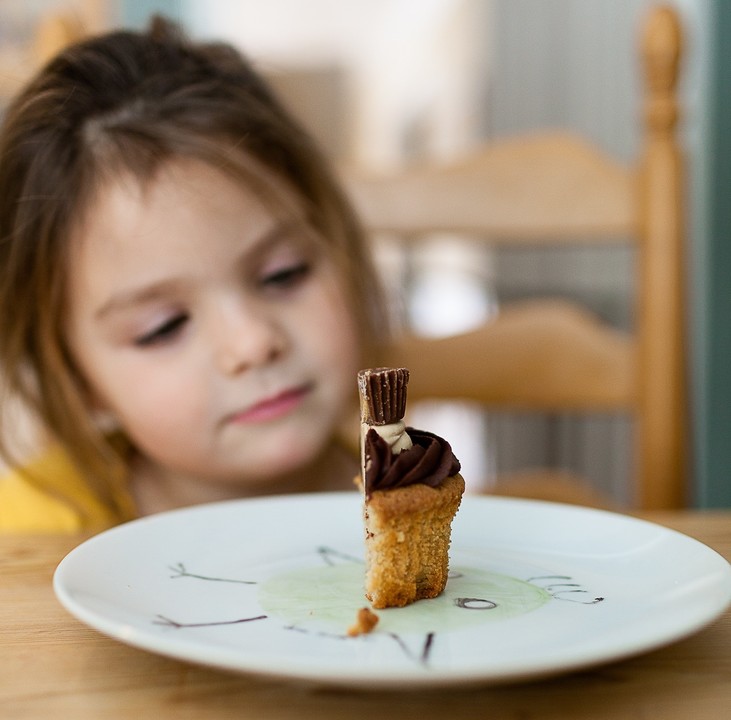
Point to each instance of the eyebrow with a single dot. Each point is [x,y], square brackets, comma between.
[138,296]
[128,299]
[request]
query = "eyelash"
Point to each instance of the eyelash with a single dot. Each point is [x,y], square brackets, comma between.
[162,333]
[287,277]
[283,279]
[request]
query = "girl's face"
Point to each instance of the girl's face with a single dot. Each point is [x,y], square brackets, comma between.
[216,333]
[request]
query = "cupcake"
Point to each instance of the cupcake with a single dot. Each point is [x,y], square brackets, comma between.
[412,490]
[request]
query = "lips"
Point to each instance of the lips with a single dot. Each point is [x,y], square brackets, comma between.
[273,407]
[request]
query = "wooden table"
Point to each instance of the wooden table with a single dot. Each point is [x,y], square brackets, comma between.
[53,666]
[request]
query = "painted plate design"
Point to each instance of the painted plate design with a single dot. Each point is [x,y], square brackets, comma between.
[270,586]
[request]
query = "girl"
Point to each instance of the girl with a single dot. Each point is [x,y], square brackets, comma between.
[187,295]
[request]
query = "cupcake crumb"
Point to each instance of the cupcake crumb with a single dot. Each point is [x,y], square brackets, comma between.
[365,621]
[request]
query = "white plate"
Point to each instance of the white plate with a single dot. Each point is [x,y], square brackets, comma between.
[270,586]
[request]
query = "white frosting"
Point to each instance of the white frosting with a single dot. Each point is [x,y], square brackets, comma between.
[395,435]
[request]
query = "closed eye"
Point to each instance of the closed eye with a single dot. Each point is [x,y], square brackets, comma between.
[286,277]
[164,332]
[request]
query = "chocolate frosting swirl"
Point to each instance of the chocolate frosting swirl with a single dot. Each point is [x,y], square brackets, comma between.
[430,461]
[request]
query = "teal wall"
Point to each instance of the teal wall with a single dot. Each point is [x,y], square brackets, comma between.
[713,411]
[135,13]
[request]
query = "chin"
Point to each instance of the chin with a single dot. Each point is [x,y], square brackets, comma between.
[293,462]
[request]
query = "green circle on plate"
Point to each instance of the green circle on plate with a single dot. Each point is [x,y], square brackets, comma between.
[327,598]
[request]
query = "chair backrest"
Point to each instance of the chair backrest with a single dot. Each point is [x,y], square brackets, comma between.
[53,33]
[555,188]
[21,56]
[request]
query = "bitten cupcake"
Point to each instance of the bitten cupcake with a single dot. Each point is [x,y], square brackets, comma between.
[412,490]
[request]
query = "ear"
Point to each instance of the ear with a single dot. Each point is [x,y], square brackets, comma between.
[102,416]
[105,420]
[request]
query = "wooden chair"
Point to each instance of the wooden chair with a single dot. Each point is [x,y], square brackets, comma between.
[555,188]
[53,31]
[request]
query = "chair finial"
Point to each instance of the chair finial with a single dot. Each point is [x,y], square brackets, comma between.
[661,49]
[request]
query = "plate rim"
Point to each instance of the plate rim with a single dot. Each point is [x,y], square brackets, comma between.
[386,680]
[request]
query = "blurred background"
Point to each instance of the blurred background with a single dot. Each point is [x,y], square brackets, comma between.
[381,83]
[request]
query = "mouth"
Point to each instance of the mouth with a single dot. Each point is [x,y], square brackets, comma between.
[273,407]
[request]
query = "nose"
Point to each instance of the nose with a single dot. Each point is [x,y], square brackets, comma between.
[246,337]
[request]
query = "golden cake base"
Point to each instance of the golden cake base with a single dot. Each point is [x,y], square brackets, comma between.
[407,536]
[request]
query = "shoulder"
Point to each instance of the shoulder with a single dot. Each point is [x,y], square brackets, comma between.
[24,507]
[49,496]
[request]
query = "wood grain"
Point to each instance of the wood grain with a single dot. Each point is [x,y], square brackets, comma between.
[53,666]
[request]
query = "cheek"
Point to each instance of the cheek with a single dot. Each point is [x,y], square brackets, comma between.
[152,405]
[163,425]
[334,335]
[148,402]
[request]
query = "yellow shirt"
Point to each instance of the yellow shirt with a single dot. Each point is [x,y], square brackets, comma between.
[64,504]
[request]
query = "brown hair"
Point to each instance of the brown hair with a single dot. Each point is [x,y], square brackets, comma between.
[129,102]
